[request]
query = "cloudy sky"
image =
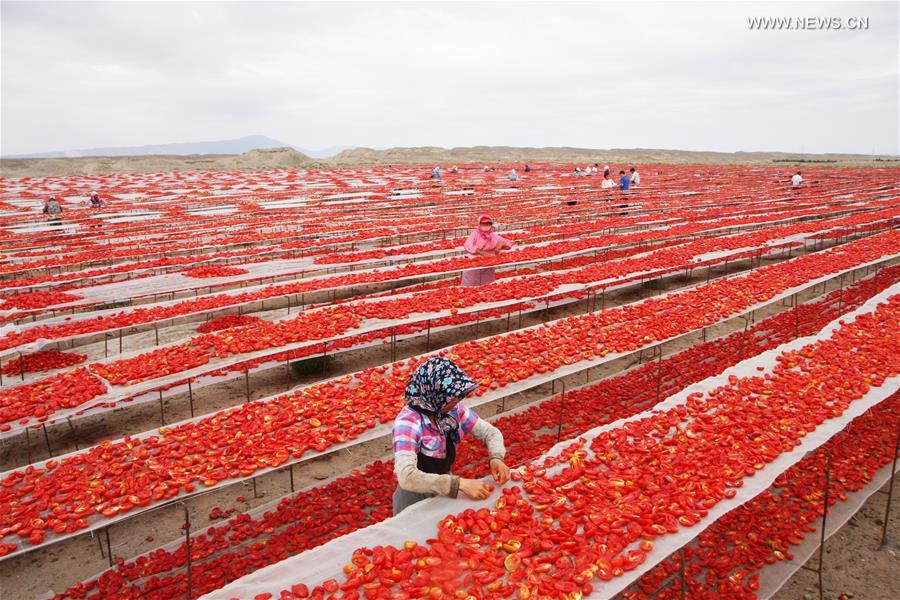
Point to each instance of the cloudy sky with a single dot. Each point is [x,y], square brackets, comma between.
[685,75]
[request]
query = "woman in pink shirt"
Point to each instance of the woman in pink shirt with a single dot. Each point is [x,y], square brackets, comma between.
[484,241]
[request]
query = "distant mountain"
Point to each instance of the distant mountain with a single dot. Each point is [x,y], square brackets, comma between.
[611,156]
[236,146]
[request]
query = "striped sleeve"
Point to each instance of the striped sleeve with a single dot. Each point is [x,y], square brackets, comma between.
[466,418]
[407,432]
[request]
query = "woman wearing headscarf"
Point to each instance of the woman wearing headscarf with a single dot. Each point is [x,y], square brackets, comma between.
[427,431]
[52,209]
[484,241]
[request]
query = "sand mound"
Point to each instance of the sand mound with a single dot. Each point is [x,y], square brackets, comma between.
[273,158]
[615,156]
[288,158]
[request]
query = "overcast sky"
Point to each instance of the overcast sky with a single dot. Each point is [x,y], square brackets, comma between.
[681,75]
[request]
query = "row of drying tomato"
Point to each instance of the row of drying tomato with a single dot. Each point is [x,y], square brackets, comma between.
[135,472]
[45,360]
[23,402]
[104,254]
[726,559]
[361,255]
[244,544]
[164,246]
[211,271]
[199,350]
[223,234]
[227,322]
[42,398]
[139,315]
[135,268]
[337,320]
[355,341]
[672,259]
[36,299]
[585,227]
[720,191]
[334,321]
[592,511]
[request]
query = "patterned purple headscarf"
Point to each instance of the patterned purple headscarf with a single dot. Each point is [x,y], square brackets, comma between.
[435,383]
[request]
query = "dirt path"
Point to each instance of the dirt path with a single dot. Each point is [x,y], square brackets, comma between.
[855,567]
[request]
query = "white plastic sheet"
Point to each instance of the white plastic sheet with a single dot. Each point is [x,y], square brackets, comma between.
[148,286]
[418,522]
[529,383]
[98,521]
[174,282]
[138,392]
[114,294]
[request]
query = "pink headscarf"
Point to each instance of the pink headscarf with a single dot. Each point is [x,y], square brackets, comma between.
[484,240]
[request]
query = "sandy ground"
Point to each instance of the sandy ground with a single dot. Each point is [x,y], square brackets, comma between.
[612,156]
[54,568]
[287,158]
[273,158]
[854,565]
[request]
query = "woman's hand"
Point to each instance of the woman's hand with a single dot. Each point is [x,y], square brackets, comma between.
[499,470]
[474,489]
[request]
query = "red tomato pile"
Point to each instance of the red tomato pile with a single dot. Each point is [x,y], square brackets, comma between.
[227,322]
[38,299]
[200,349]
[134,268]
[45,360]
[218,513]
[214,271]
[325,323]
[37,400]
[349,257]
[156,363]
